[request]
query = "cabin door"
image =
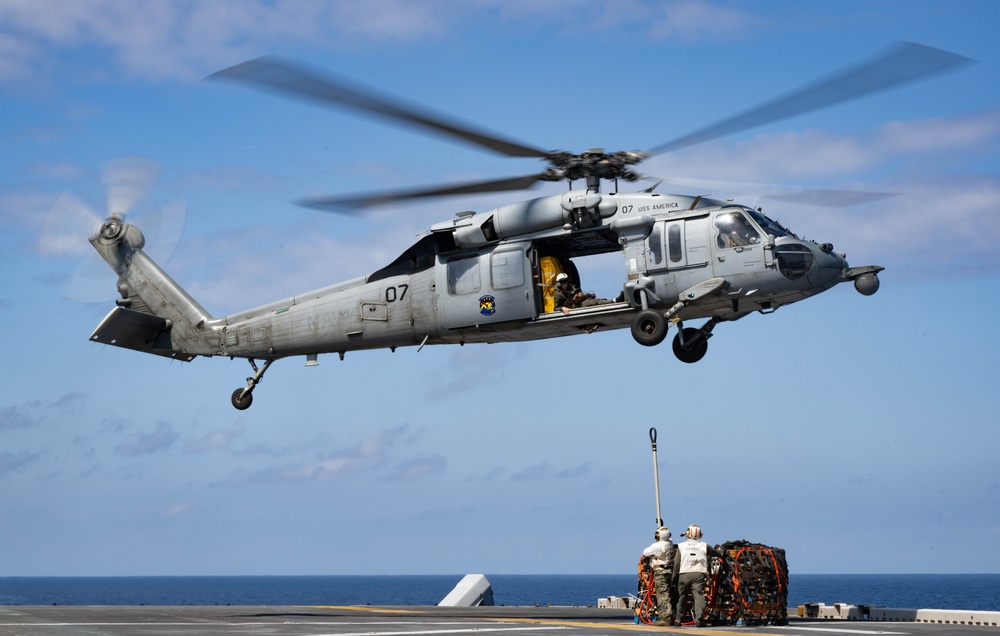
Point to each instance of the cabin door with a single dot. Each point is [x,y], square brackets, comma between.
[488,287]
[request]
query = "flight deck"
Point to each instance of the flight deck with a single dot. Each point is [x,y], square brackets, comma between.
[408,621]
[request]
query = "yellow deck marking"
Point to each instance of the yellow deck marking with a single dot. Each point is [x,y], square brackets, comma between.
[550,621]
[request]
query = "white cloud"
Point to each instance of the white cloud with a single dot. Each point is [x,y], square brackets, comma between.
[684,19]
[468,368]
[818,156]
[186,39]
[369,454]
[491,475]
[160,438]
[176,510]
[695,20]
[418,468]
[34,413]
[175,39]
[12,462]
[15,56]
[12,417]
[939,134]
[944,225]
[545,471]
[229,179]
[218,439]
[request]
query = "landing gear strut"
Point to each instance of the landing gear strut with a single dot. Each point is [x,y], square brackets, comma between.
[649,327]
[243,398]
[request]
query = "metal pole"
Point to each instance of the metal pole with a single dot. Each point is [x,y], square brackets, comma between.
[656,477]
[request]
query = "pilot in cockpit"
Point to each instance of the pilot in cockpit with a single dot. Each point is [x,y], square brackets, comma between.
[735,231]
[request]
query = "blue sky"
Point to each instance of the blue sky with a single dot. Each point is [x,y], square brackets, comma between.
[858,433]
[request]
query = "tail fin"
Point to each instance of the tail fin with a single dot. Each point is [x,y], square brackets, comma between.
[154,315]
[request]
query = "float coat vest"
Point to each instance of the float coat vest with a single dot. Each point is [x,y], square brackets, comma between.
[693,556]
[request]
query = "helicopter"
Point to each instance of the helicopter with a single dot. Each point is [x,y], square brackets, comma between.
[490,277]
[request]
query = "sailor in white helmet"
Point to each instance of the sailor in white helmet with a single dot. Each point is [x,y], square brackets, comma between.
[568,296]
[661,557]
[691,572]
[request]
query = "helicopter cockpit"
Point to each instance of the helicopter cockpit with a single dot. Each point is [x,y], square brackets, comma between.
[738,227]
[769,225]
[736,230]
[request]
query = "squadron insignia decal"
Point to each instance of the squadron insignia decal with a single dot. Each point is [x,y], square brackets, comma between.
[487,305]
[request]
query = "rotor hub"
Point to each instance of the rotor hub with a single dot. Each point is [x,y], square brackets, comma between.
[112,227]
[592,164]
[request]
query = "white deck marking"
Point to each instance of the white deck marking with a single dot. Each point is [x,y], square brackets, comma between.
[838,630]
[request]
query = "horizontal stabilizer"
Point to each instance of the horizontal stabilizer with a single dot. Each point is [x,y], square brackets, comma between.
[138,331]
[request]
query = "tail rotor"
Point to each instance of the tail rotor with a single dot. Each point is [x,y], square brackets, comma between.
[72,221]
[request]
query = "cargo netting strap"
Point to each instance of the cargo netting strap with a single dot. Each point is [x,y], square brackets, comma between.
[645,612]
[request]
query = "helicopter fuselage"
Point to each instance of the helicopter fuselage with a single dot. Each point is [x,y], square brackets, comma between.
[490,277]
[479,278]
[483,278]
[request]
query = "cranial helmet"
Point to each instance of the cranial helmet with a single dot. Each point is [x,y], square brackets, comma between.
[693,532]
[561,277]
[663,533]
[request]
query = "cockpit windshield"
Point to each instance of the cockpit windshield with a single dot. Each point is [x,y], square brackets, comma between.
[769,226]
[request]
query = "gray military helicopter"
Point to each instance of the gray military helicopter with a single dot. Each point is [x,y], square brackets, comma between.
[489,277]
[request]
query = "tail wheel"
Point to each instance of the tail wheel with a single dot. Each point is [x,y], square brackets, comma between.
[240,401]
[649,328]
[694,346]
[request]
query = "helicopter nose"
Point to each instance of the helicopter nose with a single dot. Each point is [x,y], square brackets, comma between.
[826,258]
[827,265]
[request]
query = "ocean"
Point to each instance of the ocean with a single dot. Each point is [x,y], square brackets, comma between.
[914,591]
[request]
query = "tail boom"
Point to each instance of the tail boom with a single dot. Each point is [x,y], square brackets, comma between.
[154,315]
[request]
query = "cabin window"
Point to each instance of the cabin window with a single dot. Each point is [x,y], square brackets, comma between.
[463,276]
[656,245]
[674,243]
[507,269]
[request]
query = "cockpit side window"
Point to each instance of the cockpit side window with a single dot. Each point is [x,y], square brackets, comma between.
[735,230]
[770,227]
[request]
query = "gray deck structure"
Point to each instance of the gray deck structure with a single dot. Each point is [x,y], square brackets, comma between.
[64,620]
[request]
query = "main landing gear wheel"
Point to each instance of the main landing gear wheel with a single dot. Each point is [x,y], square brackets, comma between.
[649,327]
[695,348]
[240,401]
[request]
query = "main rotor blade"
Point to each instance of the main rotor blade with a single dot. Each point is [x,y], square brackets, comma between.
[358,202]
[903,63]
[819,197]
[287,77]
